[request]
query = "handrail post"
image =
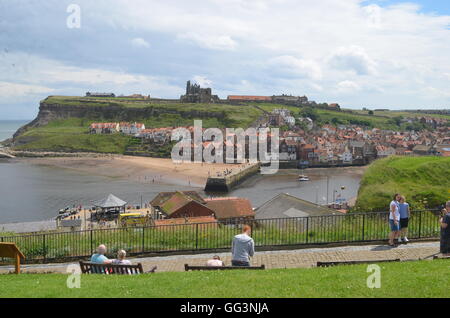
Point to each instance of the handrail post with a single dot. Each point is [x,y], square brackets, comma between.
[92,243]
[143,239]
[307,229]
[43,247]
[363,226]
[420,223]
[196,236]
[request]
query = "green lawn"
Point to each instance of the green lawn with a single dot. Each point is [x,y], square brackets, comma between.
[404,279]
[421,179]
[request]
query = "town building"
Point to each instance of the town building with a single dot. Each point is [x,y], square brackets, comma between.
[89,94]
[230,209]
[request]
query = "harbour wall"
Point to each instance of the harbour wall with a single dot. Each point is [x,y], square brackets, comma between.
[227,183]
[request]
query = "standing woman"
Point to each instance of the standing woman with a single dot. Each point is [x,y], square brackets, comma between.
[394,219]
[404,219]
[445,230]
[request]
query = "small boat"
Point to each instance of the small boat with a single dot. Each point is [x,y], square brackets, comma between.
[302,177]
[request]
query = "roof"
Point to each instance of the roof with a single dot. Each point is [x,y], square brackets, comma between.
[421,148]
[111,202]
[248,97]
[164,196]
[226,208]
[175,202]
[284,205]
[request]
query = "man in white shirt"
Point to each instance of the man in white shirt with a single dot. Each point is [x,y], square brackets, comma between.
[394,219]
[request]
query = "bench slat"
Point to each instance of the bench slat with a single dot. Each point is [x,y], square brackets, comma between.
[91,268]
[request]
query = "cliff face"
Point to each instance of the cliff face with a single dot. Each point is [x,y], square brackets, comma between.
[49,112]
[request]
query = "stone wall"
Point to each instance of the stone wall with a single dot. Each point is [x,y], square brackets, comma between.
[227,183]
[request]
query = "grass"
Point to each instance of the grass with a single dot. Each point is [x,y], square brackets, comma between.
[404,279]
[423,180]
[71,135]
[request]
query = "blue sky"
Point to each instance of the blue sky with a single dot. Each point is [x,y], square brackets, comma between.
[440,7]
[389,54]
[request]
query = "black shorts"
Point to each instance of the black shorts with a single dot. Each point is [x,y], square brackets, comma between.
[445,245]
[404,223]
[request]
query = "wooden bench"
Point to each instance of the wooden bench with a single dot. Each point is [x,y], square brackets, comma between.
[219,268]
[326,264]
[441,257]
[109,269]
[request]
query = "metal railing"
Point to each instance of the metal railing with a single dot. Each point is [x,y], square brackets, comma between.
[342,228]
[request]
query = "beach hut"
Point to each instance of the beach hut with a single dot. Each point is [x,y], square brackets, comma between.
[10,250]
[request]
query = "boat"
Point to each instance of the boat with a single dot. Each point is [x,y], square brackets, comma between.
[303,177]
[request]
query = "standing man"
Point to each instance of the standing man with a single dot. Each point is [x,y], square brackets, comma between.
[404,219]
[445,230]
[394,219]
[242,248]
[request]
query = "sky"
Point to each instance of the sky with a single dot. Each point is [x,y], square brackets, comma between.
[374,54]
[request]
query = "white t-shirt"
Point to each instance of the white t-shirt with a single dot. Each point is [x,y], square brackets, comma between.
[121,262]
[214,262]
[396,210]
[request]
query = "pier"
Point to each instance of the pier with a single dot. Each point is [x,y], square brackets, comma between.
[6,155]
[227,182]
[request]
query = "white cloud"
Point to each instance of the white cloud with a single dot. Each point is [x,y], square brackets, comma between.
[292,66]
[348,87]
[33,72]
[202,81]
[8,89]
[139,43]
[353,58]
[213,42]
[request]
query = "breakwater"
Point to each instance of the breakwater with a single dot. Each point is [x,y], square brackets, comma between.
[228,182]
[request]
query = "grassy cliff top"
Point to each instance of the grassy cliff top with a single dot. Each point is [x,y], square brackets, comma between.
[423,180]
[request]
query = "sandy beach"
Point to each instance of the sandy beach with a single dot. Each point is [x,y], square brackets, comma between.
[141,169]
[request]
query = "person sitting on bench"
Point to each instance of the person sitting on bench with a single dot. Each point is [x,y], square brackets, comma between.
[121,258]
[99,257]
[242,248]
[216,261]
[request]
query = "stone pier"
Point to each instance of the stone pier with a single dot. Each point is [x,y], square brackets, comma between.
[227,183]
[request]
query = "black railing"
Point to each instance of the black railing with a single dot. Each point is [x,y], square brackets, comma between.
[342,228]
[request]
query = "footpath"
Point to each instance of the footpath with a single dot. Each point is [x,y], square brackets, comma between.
[303,258]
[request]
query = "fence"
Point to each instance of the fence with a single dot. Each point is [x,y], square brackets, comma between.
[353,227]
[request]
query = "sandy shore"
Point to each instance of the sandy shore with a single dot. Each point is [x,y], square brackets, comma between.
[141,169]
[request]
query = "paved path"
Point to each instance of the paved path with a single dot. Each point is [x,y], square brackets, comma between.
[273,259]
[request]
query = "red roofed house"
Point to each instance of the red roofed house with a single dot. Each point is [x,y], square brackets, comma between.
[179,204]
[131,128]
[231,209]
[103,128]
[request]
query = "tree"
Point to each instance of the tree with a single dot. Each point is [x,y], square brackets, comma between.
[309,112]
[370,112]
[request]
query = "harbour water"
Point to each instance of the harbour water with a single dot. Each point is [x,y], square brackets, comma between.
[9,127]
[34,192]
[31,192]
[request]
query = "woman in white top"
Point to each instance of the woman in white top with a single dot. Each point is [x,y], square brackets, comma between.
[394,219]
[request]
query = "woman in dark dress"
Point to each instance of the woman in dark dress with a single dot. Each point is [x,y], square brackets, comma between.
[445,230]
